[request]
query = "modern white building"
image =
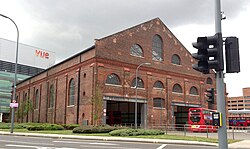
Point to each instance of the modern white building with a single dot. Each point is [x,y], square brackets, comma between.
[31,61]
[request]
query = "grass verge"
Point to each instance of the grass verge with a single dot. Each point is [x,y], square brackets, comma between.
[165,136]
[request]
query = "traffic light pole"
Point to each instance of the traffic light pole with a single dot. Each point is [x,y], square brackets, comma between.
[220,86]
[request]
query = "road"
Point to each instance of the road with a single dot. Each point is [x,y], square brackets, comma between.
[24,142]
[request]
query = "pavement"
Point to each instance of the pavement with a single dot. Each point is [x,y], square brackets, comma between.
[244,144]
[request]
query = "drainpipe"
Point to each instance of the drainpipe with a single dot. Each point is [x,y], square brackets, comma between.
[78,94]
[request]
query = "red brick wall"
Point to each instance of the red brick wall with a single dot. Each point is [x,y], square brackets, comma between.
[112,55]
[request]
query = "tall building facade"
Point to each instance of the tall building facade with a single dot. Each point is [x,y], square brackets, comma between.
[100,82]
[31,61]
[239,106]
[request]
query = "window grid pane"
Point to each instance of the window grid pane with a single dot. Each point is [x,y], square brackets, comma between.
[193,91]
[136,50]
[177,88]
[113,79]
[140,83]
[176,60]
[209,81]
[158,84]
[157,48]
[158,102]
[72,92]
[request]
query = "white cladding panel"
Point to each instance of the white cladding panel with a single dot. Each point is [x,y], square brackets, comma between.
[27,55]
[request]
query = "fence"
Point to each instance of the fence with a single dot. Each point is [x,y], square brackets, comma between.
[208,131]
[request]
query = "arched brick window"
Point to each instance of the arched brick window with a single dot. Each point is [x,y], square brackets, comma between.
[71,92]
[193,91]
[157,52]
[113,79]
[209,81]
[140,83]
[136,50]
[177,88]
[176,59]
[158,84]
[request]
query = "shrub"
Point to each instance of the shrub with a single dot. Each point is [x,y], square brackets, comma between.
[8,126]
[45,126]
[94,129]
[135,132]
[70,126]
[5,125]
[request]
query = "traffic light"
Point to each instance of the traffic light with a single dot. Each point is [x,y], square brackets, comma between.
[210,53]
[210,94]
[232,55]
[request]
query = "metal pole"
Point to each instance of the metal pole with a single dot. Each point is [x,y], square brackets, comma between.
[220,86]
[15,78]
[136,84]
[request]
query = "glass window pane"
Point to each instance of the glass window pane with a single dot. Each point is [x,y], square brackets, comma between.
[157,53]
[113,79]
[159,102]
[72,92]
[140,83]
[176,60]
[193,91]
[209,81]
[177,88]
[158,84]
[136,50]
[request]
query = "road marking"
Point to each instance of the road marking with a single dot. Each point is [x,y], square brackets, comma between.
[37,147]
[24,146]
[162,146]
[70,142]
[111,147]
[21,142]
[99,143]
[95,143]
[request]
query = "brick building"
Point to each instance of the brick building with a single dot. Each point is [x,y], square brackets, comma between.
[239,106]
[91,84]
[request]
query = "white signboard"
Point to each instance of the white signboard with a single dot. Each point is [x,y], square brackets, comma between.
[14,105]
[27,55]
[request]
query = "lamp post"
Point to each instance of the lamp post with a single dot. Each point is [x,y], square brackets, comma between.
[136,84]
[15,78]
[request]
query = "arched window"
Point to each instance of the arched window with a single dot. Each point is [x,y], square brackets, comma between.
[158,84]
[193,91]
[51,96]
[140,83]
[158,102]
[37,99]
[176,59]
[136,50]
[71,92]
[209,81]
[177,88]
[157,52]
[113,79]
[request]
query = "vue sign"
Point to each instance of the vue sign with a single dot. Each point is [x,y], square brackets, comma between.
[42,54]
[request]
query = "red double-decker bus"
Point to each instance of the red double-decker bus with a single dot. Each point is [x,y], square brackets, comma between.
[200,120]
[239,118]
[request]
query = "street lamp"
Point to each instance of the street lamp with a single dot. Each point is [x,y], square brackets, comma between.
[15,78]
[136,84]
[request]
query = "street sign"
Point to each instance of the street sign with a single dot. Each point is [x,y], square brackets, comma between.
[14,105]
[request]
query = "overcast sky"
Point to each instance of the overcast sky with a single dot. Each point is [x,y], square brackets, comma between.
[69,26]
